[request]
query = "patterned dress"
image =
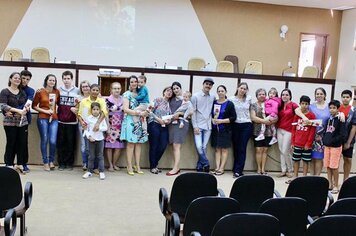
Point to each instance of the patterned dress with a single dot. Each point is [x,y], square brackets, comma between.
[132,131]
[116,115]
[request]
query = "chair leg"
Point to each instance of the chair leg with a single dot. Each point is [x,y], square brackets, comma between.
[166,230]
[22,225]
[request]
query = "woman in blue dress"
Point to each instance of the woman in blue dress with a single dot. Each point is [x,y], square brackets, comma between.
[132,130]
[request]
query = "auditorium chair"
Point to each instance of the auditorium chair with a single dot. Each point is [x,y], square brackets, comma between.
[225,66]
[310,72]
[253,67]
[40,55]
[11,195]
[12,54]
[196,63]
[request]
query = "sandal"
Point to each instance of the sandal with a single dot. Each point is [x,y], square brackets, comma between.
[219,172]
[335,191]
[283,174]
[289,181]
[116,168]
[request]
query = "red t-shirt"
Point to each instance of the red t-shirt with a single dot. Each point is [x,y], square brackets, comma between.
[345,110]
[303,135]
[286,115]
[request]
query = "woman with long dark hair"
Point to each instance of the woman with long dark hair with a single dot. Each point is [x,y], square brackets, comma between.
[13,100]
[45,102]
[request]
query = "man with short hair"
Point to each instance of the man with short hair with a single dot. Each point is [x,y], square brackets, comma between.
[68,123]
[350,124]
[201,120]
[30,92]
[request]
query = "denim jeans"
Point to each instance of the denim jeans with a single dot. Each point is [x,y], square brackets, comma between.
[84,146]
[241,133]
[96,151]
[201,141]
[48,133]
[158,140]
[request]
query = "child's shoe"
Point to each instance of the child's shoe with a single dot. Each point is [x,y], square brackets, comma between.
[25,169]
[273,141]
[260,137]
[87,175]
[102,175]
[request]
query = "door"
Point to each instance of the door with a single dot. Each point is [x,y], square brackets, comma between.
[312,52]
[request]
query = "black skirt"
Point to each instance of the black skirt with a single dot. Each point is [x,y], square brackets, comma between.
[221,139]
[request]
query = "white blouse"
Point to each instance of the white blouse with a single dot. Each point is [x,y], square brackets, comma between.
[242,109]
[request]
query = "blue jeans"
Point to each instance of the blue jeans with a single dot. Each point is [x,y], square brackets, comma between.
[201,141]
[241,133]
[158,140]
[48,132]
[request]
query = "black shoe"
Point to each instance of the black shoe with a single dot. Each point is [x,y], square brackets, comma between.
[200,170]
[206,169]
[69,167]
[235,175]
[61,167]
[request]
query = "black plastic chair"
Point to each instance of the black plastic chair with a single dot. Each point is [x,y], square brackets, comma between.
[345,206]
[348,188]
[186,188]
[251,224]
[9,227]
[251,191]
[204,212]
[11,195]
[315,190]
[344,225]
[292,213]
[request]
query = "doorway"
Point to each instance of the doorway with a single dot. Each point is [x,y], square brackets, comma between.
[312,52]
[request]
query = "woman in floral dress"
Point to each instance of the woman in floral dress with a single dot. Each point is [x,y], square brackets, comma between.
[113,144]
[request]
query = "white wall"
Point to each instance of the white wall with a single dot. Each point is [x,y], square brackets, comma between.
[346,69]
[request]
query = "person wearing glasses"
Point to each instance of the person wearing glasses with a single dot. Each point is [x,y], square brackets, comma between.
[201,120]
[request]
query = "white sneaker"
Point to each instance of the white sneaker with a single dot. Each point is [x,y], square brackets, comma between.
[260,137]
[87,175]
[102,175]
[273,141]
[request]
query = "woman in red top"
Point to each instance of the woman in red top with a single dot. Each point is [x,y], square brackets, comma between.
[284,132]
[45,102]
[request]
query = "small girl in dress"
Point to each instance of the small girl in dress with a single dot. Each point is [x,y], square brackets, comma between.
[186,108]
[96,141]
[272,105]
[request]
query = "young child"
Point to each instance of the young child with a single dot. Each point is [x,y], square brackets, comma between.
[143,99]
[350,127]
[271,110]
[302,138]
[334,132]
[96,141]
[186,108]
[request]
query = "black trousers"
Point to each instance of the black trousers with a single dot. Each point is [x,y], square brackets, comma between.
[15,145]
[66,142]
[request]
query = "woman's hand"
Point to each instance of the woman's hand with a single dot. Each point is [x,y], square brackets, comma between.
[196,131]
[49,112]
[23,112]
[161,121]
[143,114]
[74,110]
[341,117]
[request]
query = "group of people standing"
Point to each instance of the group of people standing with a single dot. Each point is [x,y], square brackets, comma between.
[129,120]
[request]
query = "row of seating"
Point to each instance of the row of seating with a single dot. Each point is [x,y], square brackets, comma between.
[37,54]
[307,198]
[12,197]
[230,65]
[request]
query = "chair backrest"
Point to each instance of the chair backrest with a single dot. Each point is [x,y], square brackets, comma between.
[292,213]
[189,186]
[348,188]
[253,67]
[225,66]
[313,189]
[311,72]
[344,206]
[344,225]
[204,212]
[40,55]
[251,191]
[12,54]
[10,189]
[234,60]
[196,63]
[251,224]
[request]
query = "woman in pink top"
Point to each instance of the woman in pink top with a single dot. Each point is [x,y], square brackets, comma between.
[284,132]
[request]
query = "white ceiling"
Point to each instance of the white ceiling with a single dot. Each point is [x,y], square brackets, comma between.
[327,4]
